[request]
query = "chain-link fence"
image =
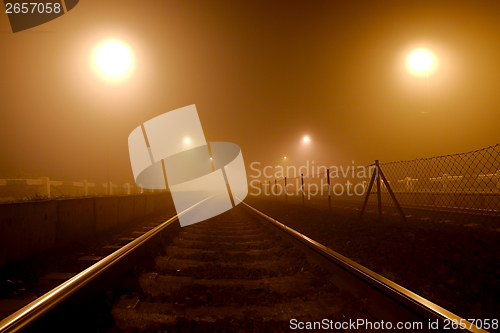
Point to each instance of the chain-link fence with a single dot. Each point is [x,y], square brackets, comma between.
[452,187]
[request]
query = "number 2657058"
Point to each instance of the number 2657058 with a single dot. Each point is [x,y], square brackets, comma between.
[32,7]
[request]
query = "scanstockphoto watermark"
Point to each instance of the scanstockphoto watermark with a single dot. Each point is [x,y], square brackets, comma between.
[310,180]
[358,324]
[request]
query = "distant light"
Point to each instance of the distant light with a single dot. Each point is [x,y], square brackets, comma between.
[420,60]
[210,158]
[285,157]
[187,140]
[306,139]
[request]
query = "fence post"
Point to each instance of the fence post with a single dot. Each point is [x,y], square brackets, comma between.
[302,178]
[275,186]
[85,187]
[329,196]
[367,196]
[379,194]
[380,173]
[400,210]
[46,186]
[286,197]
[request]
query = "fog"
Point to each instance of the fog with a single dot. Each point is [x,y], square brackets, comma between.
[262,75]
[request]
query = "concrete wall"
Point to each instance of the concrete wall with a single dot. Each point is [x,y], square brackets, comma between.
[126,207]
[150,204]
[106,212]
[26,227]
[76,217]
[139,206]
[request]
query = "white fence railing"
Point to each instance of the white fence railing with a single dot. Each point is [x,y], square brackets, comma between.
[45,186]
[481,182]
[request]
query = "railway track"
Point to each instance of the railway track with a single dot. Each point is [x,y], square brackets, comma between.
[241,271]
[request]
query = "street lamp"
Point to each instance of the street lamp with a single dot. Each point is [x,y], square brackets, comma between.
[113,61]
[422,62]
[113,58]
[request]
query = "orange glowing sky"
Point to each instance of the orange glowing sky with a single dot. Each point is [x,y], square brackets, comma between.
[263,74]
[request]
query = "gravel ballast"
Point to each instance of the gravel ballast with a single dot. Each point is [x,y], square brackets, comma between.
[455,265]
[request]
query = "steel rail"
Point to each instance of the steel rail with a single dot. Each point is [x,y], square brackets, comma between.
[39,307]
[402,295]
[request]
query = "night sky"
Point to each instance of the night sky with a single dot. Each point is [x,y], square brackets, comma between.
[263,74]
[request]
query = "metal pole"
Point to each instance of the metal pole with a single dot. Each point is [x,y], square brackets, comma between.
[286,197]
[302,178]
[367,196]
[329,197]
[108,126]
[392,195]
[275,190]
[379,194]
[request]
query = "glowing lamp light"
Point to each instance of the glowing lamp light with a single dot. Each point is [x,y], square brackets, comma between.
[114,58]
[187,140]
[306,139]
[421,62]
[113,61]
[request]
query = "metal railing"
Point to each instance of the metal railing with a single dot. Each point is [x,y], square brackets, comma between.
[44,187]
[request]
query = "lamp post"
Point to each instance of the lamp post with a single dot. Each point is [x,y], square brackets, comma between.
[422,62]
[113,62]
